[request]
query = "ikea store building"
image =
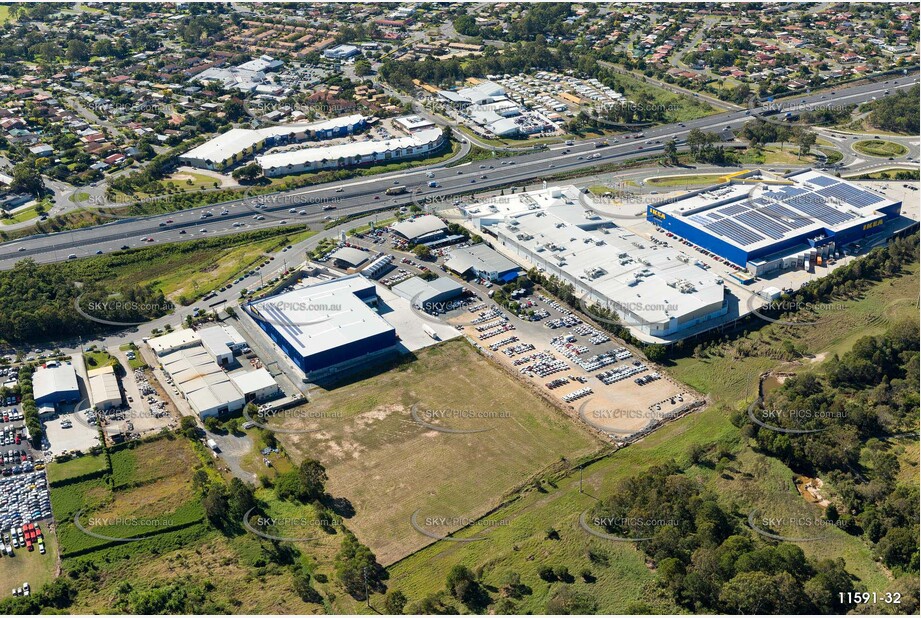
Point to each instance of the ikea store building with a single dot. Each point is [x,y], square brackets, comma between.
[787,222]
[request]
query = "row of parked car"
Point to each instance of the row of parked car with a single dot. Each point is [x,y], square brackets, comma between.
[24,499]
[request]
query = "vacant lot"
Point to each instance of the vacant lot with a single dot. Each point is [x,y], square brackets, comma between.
[152,497]
[750,480]
[389,465]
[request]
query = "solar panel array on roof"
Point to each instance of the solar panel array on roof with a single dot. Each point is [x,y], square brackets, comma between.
[793,220]
[851,195]
[735,232]
[788,192]
[825,214]
[761,223]
[733,209]
[823,181]
[699,219]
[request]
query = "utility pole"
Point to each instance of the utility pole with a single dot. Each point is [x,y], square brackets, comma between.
[364,572]
[581,468]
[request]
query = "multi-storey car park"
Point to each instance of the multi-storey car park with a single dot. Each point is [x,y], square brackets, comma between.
[768,224]
[654,292]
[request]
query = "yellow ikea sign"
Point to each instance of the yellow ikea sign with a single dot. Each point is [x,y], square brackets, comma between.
[658,214]
[873,224]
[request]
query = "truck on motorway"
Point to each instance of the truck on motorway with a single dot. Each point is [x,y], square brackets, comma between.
[396,190]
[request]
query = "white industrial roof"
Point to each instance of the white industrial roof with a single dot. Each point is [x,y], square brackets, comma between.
[253,381]
[364,148]
[323,316]
[218,340]
[104,385]
[616,264]
[201,380]
[419,226]
[235,141]
[49,380]
[480,257]
[351,255]
[420,291]
[164,344]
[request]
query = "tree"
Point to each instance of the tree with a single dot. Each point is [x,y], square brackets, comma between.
[394,602]
[671,152]
[78,51]
[234,110]
[26,179]
[362,67]
[312,477]
[240,499]
[422,252]
[460,582]
[216,507]
[247,173]
[355,565]
[304,590]
[287,486]
[567,601]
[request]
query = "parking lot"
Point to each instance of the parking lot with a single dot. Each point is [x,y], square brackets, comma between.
[582,367]
[66,434]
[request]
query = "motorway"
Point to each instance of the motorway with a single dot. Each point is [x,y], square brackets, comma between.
[363,195]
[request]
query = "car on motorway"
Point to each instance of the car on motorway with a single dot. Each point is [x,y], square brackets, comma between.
[21,249]
[72,256]
[99,252]
[182,231]
[124,247]
[161,224]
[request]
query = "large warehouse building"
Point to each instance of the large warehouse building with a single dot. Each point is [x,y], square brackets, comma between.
[655,294]
[236,144]
[326,326]
[766,224]
[55,383]
[352,154]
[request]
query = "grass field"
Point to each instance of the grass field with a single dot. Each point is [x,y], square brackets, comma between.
[389,466]
[151,494]
[890,174]
[774,155]
[194,269]
[29,566]
[4,13]
[242,574]
[137,362]
[753,480]
[880,148]
[75,467]
[190,181]
[98,358]
[678,107]
[681,181]
[22,215]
